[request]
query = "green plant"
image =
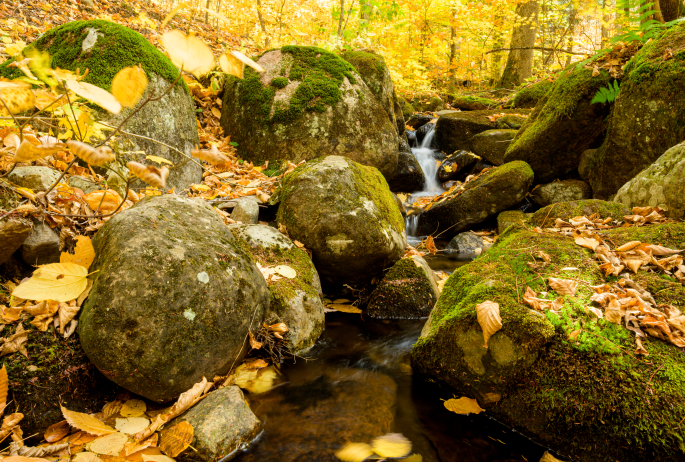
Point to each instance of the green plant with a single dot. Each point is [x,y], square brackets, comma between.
[607,94]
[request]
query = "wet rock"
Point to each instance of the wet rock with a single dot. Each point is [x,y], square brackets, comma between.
[201,294]
[42,245]
[424,130]
[468,244]
[587,159]
[562,126]
[529,96]
[409,176]
[417,121]
[13,233]
[494,191]
[510,217]
[246,211]
[109,47]
[297,301]
[473,103]
[480,166]
[222,424]
[492,144]
[647,116]
[85,185]
[546,216]
[561,191]
[35,178]
[456,165]
[355,230]
[454,131]
[408,291]
[661,184]
[510,122]
[308,102]
[411,138]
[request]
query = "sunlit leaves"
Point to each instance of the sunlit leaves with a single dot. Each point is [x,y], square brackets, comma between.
[103,201]
[212,155]
[188,52]
[174,440]
[57,281]
[17,96]
[94,94]
[129,85]
[28,152]
[83,255]
[463,405]
[86,422]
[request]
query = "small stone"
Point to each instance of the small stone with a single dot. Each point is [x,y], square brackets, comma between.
[42,245]
[13,233]
[35,178]
[467,243]
[561,191]
[85,185]
[246,211]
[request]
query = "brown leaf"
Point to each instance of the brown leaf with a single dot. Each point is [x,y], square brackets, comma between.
[563,286]
[110,445]
[103,201]
[212,155]
[8,424]
[489,319]
[41,451]
[56,432]
[16,343]
[174,440]
[3,388]
[254,344]
[28,152]
[463,405]
[628,246]
[430,245]
[640,350]
[150,174]
[96,157]
[65,315]
[586,239]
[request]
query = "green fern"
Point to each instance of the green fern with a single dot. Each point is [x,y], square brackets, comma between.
[607,94]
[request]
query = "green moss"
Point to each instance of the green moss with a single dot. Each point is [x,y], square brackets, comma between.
[531,94]
[473,102]
[545,216]
[370,66]
[119,47]
[649,64]
[280,82]
[407,109]
[404,292]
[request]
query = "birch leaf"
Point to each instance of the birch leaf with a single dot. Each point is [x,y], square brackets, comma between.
[86,422]
[110,445]
[132,425]
[129,85]
[133,408]
[188,52]
[354,452]
[56,432]
[563,286]
[489,319]
[391,445]
[174,440]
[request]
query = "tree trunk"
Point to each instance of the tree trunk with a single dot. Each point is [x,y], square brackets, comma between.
[496,61]
[262,24]
[671,9]
[572,33]
[605,29]
[206,13]
[342,15]
[520,62]
[451,71]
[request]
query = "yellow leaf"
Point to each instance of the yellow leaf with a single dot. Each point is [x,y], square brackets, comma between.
[286,271]
[447,168]
[103,201]
[159,458]
[83,255]
[463,406]
[97,95]
[391,445]
[489,319]
[86,456]
[3,388]
[200,187]
[29,152]
[57,281]
[131,425]
[24,459]
[563,286]
[96,157]
[150,174]
[86,422]
[171,14]
[231,65]
[254,381]
[547,457]
[133,408]
[343,308]
[159,160]
[247,61]
[174,440]
[18,96]
[354,452]
[188,52]
[110,445]
[56,432]
[129,85]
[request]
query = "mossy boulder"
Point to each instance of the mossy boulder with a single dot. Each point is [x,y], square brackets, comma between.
[104,48]
[346,215]
[567,393]
[561,191]
[409,176]
[493,191]
[406,107]
[407,291]
[325,107]
[492,144]
[295,301]
[173,297]
[473,103]
[546,216]
[427,102]
[510,217]
[661,184]
[454,131]
[563,125]
[528,96]
[648,116]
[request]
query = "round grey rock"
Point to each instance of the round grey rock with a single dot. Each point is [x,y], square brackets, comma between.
[36,178]
[492,144]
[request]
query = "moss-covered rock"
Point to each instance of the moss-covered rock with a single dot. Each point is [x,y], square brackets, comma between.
[104,48]
[661,184]
[561,191]
[455,130]
[546,216]
[406,107]
[173,297]
[562,125]
[649,114]
[346,215]
[427,102]
[407,291]
[510,217]
[325,108]
[528,96]
[473,103]
[294,301]
[494,191]
[492,144]
[567,394]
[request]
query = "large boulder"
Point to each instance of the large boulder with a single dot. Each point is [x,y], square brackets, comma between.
[529,96]
[561,191]
[409,176]
[346,215]
[563,125]
[661,184]
[473,103]
[493,191]
[568,380]
[308,102]
[492,144]
[648,116]
[173,297]
[104,48]
[455,130]
[295,301]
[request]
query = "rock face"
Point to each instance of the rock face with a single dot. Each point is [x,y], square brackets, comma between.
[42,245]
[346,215]
[529,96]
[406,107]
[246,211]
[13,233]
[467,244]
[456,165]
[297,301]
[222,423]
[104,48]
[408,291]
[545,216]
[561,191]
[409,176]
[308,102]
[494,191]
[190,317]
[36,178]
[492,144]
[454,131]
[531,371]
[661,184]
[87,186]
[648,116]
[562,126]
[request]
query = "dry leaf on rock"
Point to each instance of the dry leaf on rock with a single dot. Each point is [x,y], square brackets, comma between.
[639,349]
[97,95]
[563,286]
[56,432]
[83,255]
[286,271]
[96,157]
[354,452]
[174,440]
[133,408]
[110,445]
[42,451]
[463,405]
[57,281]
[662,251]
[131,425]
[129,85]
[103,201]
[628,246]
[586,239]
[489,319]
[132,447]
[86,422]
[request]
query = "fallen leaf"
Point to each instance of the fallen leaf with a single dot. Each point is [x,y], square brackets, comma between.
[159,160]
[286,271]
[103,201]
[8,424]
[86,457]
[343,308]
[131,425]
[159,458]
[547,457]
[463,405]
[129,85]
[662,251]
[86,422]
[110,445]
[97,157]
[56,432]
[188,52]
[97,95]
[28,152]
[3,388]
[83,255]
[255,381]
[16,343]
[133,408]
[354,452]
[391,445]
[211,155]
[41,451]
[174,440]
[489,319]
[57,281]
[639,349]
[149,173]
[563,286]
[628,246]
